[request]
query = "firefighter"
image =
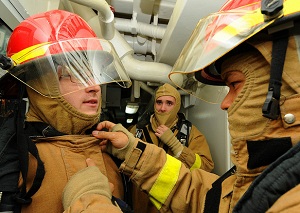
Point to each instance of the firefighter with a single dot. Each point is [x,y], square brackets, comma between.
[252,47]
[166,123]
[62,63]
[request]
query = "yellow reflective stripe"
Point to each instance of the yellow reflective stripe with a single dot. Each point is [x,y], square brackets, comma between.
[165,181]
[197,163]
[28,53]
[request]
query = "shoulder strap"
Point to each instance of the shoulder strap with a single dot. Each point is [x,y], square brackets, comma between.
[184,127]
[147,135]
[9,161]
[25,145]
[213,196]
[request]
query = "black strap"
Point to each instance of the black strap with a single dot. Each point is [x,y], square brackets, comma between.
[213,196]
[25,145]
[147,135]
[149,140]
[121,204]
[184,126]
[271,106]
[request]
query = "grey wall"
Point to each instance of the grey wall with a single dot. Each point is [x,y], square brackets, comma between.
[212,122]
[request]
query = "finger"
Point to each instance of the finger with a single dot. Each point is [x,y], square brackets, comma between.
[103,148]
[104,135]
[90,162]
[103,142]
[105,125]
[112,187]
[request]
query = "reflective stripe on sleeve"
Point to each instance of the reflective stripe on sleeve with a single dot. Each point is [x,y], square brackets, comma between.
[197,163]
[165,181]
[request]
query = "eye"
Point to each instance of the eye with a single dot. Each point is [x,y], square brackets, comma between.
[234,84]
[158,102]
[235,79]
[170,103]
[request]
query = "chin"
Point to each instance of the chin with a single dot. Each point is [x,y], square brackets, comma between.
[90,112]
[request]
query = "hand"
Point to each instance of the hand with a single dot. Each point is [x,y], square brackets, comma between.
[86,181]
[161,130]
[171,141]
[118,139]
[89,163]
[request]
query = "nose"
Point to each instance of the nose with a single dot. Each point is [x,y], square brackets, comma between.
[94,88]
[163,107]
[227,101]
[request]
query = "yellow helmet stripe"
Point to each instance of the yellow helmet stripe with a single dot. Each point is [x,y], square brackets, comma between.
[251,20]
[30,52]
[165,181]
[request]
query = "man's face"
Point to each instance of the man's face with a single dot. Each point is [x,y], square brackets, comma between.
[235,80]
[85,100]
[165,103]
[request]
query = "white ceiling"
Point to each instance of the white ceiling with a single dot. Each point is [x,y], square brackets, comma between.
[156,30]
[148,35]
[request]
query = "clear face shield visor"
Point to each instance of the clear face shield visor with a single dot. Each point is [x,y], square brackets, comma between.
[213,37]
[82,63]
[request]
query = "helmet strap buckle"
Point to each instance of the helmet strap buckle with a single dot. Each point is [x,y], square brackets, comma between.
[271,106]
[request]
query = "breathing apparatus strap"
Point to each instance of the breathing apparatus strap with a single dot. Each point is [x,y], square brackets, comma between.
[213,196]
[271,106]
[25,145]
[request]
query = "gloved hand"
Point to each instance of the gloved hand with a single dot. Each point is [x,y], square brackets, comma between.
[87,181]
[172,142]
[118,140]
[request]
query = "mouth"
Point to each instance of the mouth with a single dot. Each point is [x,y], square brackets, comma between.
[91,102]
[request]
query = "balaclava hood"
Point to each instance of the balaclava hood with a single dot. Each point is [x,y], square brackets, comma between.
[57,112]
[167,118]
[247,124]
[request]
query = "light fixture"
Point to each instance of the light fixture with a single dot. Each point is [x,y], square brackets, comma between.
[129,120]
[131,108]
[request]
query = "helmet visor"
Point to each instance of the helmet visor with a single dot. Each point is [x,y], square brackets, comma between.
[81,62]
[213,37]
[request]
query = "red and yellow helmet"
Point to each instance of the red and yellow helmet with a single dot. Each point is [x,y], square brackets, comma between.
[221,33]
[44,41]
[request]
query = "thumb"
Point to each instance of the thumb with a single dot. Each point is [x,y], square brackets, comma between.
[90,162]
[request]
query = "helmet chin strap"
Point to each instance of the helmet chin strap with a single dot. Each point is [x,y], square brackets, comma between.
[271,106]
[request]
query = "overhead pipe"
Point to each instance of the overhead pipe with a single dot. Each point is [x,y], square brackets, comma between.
[146,88]
[88,14]
[105,15]
[67,5]
[134,27]
[137,70]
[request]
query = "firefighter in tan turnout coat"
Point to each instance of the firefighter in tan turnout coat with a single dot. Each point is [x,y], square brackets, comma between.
[252,47]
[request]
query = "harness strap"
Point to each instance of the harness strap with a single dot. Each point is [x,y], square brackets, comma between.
[213,196]
[25,145]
